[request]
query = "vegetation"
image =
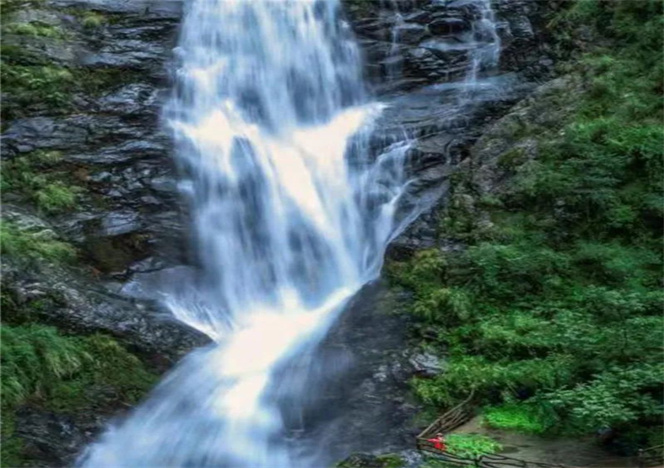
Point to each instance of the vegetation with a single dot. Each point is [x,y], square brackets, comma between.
[92,20]
[61,373]
[471,445]
[33,244]
[34,29]
[379,461]
[520,417]
[38,84]
[32,175]
[553,311]
[42,367]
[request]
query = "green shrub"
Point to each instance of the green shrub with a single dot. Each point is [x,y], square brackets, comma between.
[523,418]
[471,445]
[38,84]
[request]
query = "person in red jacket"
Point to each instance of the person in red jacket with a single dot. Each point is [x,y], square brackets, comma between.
[438,442]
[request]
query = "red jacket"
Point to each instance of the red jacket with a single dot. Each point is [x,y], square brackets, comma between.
[438,443]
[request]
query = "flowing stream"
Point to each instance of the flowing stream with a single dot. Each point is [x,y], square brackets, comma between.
[292,213]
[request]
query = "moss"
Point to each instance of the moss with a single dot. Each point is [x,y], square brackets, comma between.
[11,448]
[36,85]
[34,177]
[113,375]
[55,197]
[67,374]
[391,461]
[23,311]
[35,29]
[34,245]
[7,6]
[360,460]
[92,20]
[512,158]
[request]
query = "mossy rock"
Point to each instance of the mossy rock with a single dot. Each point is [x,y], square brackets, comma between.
[360,460]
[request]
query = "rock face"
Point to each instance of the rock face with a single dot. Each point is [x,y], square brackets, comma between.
[419,55]
[85,88]
[111,136]
[430,41]
[128,217]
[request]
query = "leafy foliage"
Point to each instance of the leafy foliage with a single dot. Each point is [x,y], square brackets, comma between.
[38,84]
[518,417]
[471,445]
[552,312]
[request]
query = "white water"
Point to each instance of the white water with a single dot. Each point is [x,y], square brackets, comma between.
[487,51]
[291,216]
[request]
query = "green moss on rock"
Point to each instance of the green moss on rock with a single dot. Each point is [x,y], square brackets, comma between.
[64,374]
[26,245]
[36,177]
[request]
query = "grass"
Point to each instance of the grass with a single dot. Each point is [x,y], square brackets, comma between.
[35,29]
[36,178]
[34,245]
[65,374]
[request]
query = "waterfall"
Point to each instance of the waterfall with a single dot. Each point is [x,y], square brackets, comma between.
[487,51]
[291,212]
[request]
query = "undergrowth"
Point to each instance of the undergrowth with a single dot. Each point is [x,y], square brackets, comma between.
[44,368]
[552,312]
[36,177]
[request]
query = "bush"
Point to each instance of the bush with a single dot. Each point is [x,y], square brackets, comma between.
[471,445]
[523,418]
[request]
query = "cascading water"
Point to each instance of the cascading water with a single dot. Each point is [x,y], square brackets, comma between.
[292,217]
[485,35]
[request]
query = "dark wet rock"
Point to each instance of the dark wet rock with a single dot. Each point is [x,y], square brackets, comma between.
[134,98]
[390,32]
[410,33]
[81,304]
[361,380]
[116,223]
[447,26]
[426,364]
[400,459]
[130,223]
[53,439]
